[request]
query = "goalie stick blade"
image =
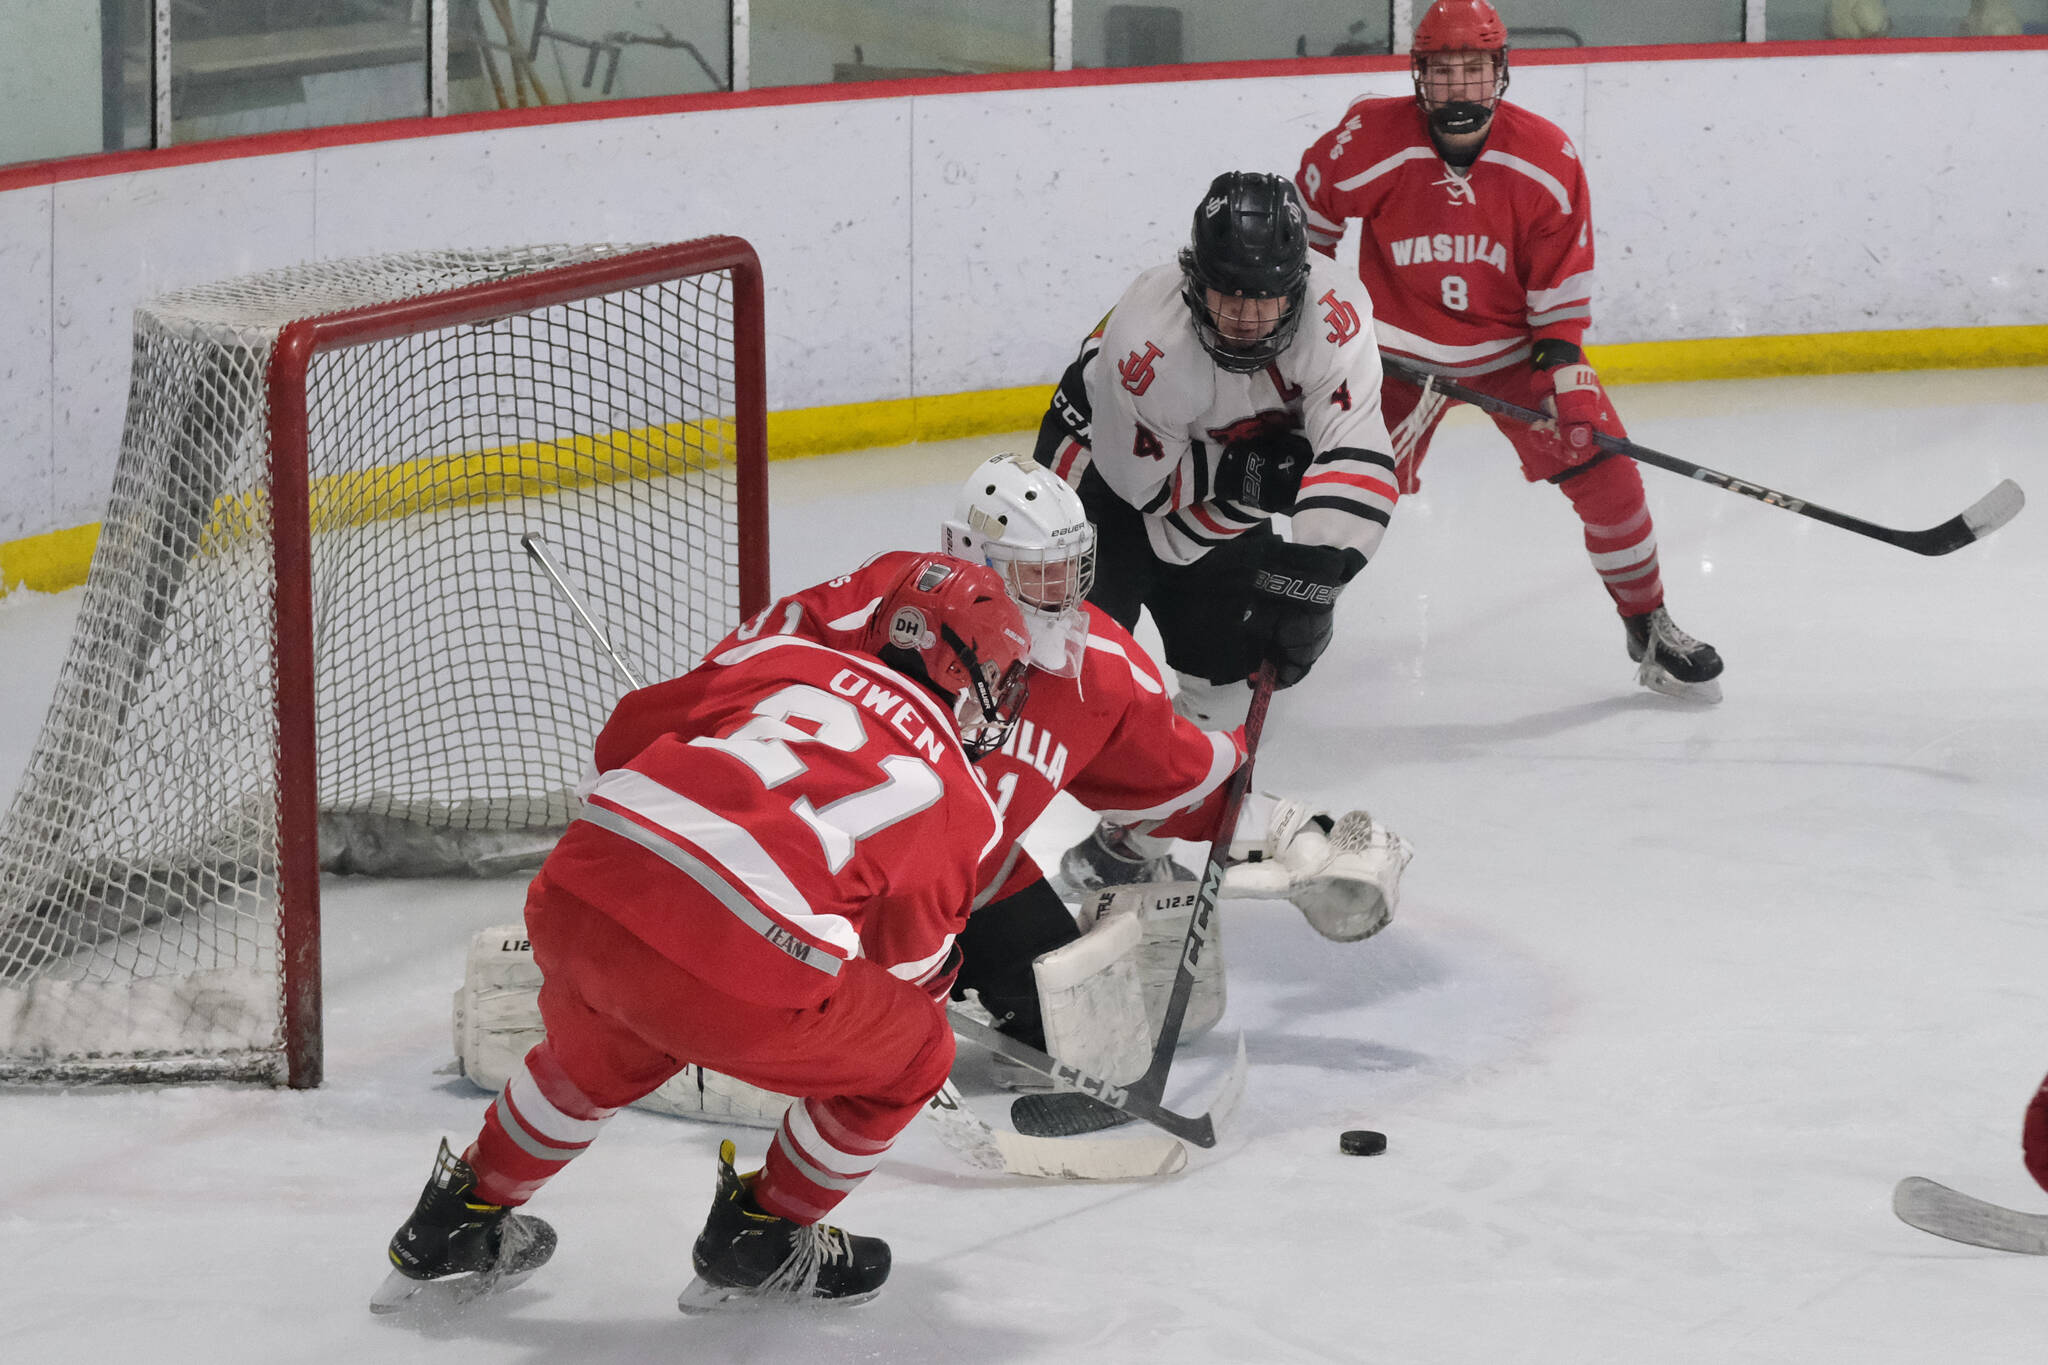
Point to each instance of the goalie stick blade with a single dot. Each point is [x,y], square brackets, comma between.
[1137,1157]
[1933,1207]
[1067,1114]
[1064,1114]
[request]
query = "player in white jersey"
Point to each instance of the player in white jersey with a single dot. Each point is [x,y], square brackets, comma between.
[1240,383]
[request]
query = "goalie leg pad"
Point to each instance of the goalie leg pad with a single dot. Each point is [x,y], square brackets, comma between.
[1092,1003]
[497,1022]
[1162,911]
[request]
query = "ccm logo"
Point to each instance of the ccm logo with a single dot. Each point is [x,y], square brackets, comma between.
[1300,589]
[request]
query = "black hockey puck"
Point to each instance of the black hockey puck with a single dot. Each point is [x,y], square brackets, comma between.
[1362,1142]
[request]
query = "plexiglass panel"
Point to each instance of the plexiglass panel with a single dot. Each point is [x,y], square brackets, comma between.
[1165,35]
[809,42]
[1793,20]
[518,54]
[74,78]
[259,66]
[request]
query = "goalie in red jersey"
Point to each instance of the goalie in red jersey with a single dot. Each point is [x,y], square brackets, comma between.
[1476,245]
[768,877]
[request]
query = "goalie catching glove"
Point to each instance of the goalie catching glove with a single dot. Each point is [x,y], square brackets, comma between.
[1342,873]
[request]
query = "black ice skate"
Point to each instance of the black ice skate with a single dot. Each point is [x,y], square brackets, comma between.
[746,1258]
[454,1249]
[1672,662]
[1112,856]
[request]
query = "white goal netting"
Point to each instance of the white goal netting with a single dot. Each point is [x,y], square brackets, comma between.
[456,697]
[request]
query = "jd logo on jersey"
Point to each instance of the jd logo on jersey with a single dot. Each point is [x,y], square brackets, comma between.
[1136,369]
[1342,317]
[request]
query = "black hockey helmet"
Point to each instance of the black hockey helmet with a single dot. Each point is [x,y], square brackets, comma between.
[1250,240]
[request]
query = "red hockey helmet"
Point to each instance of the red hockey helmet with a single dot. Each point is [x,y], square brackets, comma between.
[951,625]
[1455,27]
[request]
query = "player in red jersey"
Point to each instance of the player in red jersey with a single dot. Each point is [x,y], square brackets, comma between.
[1476,245]
[767,878]
[1101,726]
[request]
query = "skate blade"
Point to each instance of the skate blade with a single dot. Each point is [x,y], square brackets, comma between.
[699,1297]
[399,1294]
[1658,679]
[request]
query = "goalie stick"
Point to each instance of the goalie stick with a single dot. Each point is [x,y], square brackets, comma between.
[963,1132]
[1139,1156]
[1933,1207]
[1973,523]
[1199,1129]
[1068,1115]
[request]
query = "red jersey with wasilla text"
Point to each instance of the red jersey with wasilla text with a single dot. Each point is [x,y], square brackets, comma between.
[1110,737]
[1466,269]
[778,810]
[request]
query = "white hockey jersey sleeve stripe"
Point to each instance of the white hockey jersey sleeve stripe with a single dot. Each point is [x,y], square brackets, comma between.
[723,859]
[1536,173]
[1222,763]
[1575,290]
[918,970]
[1482,358]
[1139,675]
[1394,162]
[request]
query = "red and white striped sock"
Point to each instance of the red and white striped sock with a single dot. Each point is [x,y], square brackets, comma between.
[819,1155]
[539,1123]
[1625,557]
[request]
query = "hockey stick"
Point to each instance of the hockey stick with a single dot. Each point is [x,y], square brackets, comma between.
[537,550]
[1973,523]
[1137,1157]
[1063,1115]
[1934,1207]
[963,1131]
[1199,1129]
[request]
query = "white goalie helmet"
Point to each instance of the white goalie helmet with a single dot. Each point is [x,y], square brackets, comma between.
[1023,521]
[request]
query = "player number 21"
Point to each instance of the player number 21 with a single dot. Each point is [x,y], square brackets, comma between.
[766,742]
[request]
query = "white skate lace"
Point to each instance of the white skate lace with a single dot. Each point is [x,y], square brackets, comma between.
[810,1249]
[1667,634]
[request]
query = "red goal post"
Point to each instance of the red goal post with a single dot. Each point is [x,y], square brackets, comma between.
[390,449]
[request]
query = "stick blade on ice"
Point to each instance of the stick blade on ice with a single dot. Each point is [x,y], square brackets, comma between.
[1933,1207]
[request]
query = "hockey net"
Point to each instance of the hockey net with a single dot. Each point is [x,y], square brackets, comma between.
[310,633]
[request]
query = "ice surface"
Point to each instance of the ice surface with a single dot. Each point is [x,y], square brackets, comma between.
[1673,998]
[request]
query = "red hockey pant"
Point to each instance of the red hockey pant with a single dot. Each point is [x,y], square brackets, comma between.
[1607,494]
[621,1019]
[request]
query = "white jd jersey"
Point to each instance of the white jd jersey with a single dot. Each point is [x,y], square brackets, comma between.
[1163,412]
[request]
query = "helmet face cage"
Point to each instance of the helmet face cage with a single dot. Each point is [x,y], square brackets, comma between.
[1235,354]
[1249,242]
[1023,521]
[1458,28]
[1475,99]
[988,707]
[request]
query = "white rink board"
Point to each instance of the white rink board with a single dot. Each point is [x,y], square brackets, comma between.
[934,244]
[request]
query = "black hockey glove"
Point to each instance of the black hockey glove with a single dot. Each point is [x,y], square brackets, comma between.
[1294,593]
[1264,472]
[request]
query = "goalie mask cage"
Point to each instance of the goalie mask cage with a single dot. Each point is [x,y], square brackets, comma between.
[310,633]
